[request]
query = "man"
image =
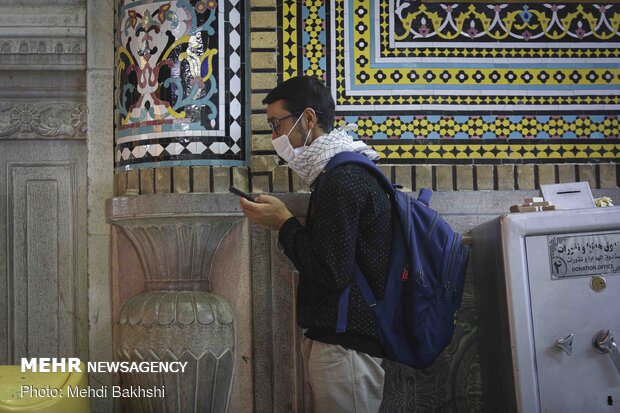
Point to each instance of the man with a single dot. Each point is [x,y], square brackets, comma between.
[349,221]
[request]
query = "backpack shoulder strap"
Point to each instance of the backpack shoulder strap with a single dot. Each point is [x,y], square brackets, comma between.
[346,158]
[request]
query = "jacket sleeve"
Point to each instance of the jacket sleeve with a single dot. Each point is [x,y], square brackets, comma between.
[326,252]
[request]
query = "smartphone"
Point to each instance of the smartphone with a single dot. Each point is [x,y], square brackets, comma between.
[239,192]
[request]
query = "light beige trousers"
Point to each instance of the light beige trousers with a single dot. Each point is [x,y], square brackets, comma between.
[342,380]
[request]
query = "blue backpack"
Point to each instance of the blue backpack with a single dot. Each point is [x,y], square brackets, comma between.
[416,317]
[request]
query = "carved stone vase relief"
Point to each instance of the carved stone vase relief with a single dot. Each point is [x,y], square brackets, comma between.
[177,318]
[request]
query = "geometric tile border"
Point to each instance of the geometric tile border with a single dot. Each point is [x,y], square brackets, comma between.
[412,82]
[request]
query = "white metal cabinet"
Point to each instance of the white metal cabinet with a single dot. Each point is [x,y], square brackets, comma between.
[537,282]
[563,305]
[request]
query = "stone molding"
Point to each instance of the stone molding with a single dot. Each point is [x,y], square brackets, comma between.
[33,45]
[58,120]
[42,43]
[42,21]
[43,37]
[37,54]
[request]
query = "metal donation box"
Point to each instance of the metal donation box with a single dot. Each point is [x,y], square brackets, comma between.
[548,294]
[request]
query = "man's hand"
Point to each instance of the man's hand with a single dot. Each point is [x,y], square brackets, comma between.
[268,211]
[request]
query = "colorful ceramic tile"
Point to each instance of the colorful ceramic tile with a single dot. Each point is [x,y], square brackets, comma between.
[180,80]
[409,71]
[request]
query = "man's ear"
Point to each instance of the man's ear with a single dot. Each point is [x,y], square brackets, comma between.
[311,118]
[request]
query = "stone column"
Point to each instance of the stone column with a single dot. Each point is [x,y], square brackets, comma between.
[100,88]
[180,97]
[180,110]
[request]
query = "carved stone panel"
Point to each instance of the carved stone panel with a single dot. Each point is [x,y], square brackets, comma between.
[452,384]
[48,119]
[278,368]
[43,309]
[42,67]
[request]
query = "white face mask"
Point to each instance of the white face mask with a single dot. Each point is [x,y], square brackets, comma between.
[283,146]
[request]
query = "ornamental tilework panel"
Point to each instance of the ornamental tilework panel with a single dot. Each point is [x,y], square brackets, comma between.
[465,82]
[180,83]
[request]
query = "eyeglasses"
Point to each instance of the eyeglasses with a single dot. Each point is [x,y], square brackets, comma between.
[273,123]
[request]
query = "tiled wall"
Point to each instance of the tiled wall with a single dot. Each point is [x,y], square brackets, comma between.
[470,112]
[180,92]
[425,145]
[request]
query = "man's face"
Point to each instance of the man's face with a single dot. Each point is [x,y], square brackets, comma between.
[283,121]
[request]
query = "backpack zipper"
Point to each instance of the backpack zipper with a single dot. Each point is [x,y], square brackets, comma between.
[447,293]
[433,222]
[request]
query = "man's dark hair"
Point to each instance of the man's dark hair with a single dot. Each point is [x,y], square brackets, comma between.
[303,92]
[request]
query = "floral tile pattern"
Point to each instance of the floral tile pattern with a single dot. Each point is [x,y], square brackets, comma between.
[180,84]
